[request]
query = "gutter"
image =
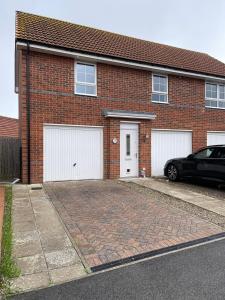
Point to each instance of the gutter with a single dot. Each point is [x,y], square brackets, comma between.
[28,108]
[114,61]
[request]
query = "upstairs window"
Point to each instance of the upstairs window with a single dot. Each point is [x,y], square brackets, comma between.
[85,79]
[215,95]
[159,88]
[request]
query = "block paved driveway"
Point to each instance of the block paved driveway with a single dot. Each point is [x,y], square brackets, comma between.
[109,220]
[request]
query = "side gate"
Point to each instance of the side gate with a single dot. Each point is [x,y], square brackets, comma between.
[10,149]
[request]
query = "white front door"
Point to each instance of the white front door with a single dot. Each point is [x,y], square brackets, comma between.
[128,150]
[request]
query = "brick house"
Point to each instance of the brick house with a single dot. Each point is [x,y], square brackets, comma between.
[9,127]
[95,104]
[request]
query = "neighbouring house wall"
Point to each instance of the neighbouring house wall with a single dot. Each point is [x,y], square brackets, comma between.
[9,127]
[52,100]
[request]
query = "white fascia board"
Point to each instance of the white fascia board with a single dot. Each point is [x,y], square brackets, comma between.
[118,62]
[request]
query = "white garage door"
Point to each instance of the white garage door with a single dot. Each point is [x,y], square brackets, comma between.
[73,153]
[215,138]
[167,144]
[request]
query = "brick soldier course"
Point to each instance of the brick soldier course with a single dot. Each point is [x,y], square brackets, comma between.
[108,221]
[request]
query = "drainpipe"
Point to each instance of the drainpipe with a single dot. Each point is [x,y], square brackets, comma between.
[28,108]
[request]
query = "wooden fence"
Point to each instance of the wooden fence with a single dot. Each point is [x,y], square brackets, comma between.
[9,158]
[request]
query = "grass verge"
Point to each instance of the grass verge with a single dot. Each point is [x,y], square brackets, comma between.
[8,268]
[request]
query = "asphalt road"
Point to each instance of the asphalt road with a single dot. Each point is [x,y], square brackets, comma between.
[197,273]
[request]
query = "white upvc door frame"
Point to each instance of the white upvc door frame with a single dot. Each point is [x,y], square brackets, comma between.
[129,149]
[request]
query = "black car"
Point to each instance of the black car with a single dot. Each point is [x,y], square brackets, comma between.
[207,163]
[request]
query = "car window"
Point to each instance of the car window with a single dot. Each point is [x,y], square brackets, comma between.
[206,153]
[219,153]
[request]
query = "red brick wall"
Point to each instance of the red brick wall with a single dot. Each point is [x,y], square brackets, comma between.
[9,127]
[53,101]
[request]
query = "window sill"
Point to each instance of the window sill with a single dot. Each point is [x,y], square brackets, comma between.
[87,95]
[158,102]
[215,107]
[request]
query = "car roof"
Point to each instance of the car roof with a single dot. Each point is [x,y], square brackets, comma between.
[223,146]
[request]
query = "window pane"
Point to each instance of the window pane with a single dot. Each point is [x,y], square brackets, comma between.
[207,103]
[222,96]
[80,89]
[90,89]
[163,98]
[85,79]
[159,97]
[156,87]
[222,92]
[90,69]
[80,77]
[208,94]
[156,97]
[211,90]
[159,83]
[163,80]
[211,103]
[128,145]
[214,94]
[214,87]
[222,104]
[156,79]
[80,68]
[90,78]
[163,88]
[208,87]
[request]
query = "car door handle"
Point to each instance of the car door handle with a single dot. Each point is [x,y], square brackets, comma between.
[74,164]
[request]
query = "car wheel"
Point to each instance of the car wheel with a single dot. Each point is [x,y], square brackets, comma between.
[172,173]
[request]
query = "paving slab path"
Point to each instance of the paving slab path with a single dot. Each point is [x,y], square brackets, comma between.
[41,246]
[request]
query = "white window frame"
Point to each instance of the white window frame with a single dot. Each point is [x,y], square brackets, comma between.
[218,95]
[85,83]
[157,92]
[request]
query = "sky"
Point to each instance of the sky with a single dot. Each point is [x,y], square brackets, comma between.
[192,24]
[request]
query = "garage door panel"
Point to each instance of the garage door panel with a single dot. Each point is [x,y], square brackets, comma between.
[215,138]
[166,144]
[72,153]
[89,163]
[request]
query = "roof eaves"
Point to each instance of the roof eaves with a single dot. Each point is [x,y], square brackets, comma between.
[116,57]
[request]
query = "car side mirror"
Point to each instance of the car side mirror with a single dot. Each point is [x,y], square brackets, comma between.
[190,156]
